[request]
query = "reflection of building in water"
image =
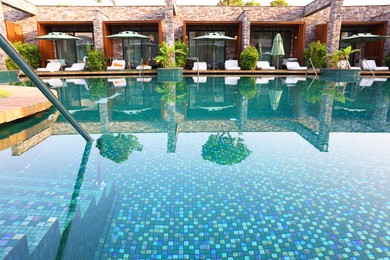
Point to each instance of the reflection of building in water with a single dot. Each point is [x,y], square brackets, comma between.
[209,106]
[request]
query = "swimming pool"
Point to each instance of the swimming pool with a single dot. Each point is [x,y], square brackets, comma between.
[212,168]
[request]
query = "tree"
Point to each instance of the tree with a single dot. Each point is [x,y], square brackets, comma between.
[231,2]
[252,3]
[279,3]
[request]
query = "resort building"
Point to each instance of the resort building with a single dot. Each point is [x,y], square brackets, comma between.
[324,20]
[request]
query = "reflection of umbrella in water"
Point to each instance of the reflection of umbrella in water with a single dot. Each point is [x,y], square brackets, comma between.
[275,94]
[213,37]
[58,38]
[277,48]
[128,35]
[363,38]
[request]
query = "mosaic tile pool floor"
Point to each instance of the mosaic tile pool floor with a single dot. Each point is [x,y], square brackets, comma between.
[268,193]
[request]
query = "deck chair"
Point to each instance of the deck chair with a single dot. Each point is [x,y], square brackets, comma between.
[371,64]
[345,64]
[294,65]
[143,67]
[232,65]
[117,65]
[51,66]
[76,67]
[264,65]
[199,66]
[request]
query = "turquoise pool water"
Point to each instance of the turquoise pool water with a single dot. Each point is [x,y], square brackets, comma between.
[215,168]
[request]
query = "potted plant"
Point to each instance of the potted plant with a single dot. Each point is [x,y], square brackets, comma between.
[339,69]
[169,71]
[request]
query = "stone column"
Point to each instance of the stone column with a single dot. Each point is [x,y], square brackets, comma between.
[246,29]
[98,18]
[3,32]
[169,26]
[334,29]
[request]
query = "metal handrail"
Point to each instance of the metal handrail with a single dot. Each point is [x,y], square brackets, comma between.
[311,62]
[26,68]
[373,74]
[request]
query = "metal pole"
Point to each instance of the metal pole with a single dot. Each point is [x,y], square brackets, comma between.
[18,59]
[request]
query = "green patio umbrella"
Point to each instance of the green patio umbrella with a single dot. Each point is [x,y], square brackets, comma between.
[277,48]
[363,38]
[213,37]
[58,38]
[128,35]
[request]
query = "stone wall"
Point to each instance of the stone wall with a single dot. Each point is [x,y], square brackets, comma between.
[22,5]
[209,14]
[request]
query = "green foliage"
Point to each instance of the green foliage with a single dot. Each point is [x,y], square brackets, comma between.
[387,59]
[181,54]
[316,51]
[224,149]
[248,58]
[231,2]
[172,92]
[252,3]
[339,55]
[118,147]
[166,57]
[98,88]
[95,60]
[247,87]
[279,3]
[29,52]
[4,93]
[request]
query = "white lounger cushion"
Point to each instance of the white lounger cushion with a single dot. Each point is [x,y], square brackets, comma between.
[371,64]
[117,65]
[294,65]
[264,65]
[200,66]
[76,67]
[232,65]
[51,66]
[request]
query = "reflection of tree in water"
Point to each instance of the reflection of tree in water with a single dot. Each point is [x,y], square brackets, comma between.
[248,87]
[98,88]
[172,92]
[118,147]
[224,149]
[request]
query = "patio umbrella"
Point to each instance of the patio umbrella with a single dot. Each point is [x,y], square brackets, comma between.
[128,35]
[213,37]
[277,48]
[58,37]
[363,38]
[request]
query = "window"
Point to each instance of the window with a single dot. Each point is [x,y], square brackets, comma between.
[264,40]
[211,52]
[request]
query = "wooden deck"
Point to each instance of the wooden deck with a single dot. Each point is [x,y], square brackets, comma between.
[191,73]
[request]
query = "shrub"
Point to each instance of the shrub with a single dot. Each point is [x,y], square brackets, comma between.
[387,59]
[248,58]
[316,51]
[29,52]
[95,60]
[181,56]
[248,87]
[98,88]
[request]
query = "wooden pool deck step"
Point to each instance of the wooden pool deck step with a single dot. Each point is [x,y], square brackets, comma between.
[22,102]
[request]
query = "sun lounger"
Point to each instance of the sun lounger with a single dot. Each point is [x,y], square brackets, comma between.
[232,65]
[117,65]
[78,82]
[371,64]
[294,65]
[51,66]
[345,65]
[143,67]
[76,67]
[199,66]
[264,65]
